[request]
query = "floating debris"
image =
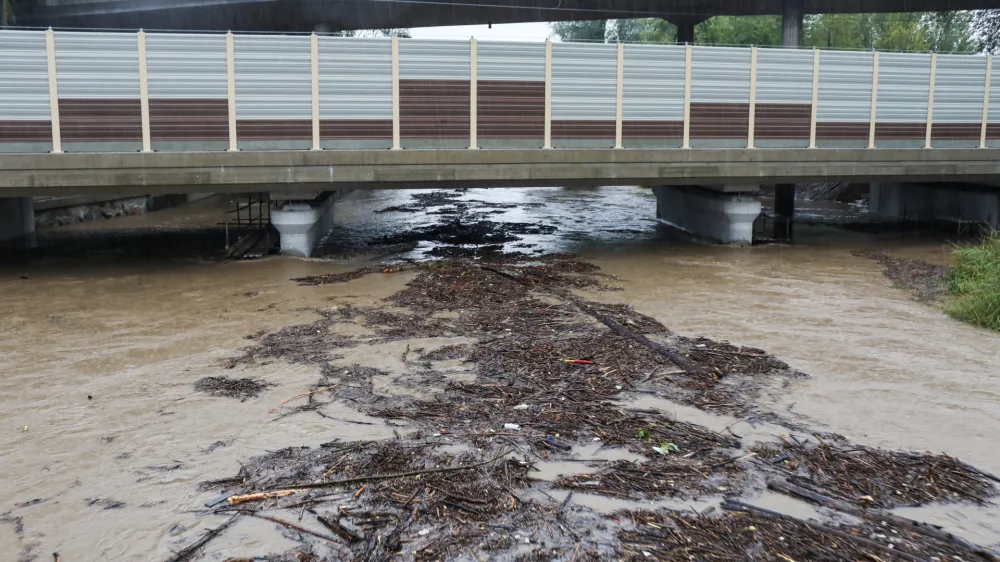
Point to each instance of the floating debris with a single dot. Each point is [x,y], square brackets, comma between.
[231,388]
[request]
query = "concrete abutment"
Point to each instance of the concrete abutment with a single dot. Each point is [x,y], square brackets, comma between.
[719,216]
[956,203]
[17,218]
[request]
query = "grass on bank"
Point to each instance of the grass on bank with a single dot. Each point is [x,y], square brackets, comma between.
[975,280]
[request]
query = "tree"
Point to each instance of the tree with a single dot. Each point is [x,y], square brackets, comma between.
[946,32]
[986,25]
[951,32]
[595,30]
[401,32]
[732,30]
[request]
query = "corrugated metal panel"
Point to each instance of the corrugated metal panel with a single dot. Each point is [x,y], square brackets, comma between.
[784,76]
[273,77]
[958,89]
[720,75]
[654,83]
[510,61]
[97,65]
[584,81]
[24,76]
[355,78]
[845,87]
[186,66]
[994,114]
[903,87]
[434,60]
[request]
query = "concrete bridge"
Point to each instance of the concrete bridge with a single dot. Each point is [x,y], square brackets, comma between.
[109,113]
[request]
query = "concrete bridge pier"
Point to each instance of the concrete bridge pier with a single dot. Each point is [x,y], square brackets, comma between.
[17,218]
[301,223]
[941,202]
[725,215]
[784,210]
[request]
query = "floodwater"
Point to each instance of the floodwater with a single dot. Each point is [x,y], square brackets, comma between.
[100,345]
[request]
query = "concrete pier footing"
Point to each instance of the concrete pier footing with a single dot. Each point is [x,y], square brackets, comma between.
[17,218]
[937,202]
[723,217]
[302,224]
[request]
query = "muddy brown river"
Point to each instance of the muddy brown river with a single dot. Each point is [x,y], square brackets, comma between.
[99,348]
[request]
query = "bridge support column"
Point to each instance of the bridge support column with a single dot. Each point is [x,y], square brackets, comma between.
[17,218]
[954,203]
[302,223]
[791,23]
[723,217]
[784,210]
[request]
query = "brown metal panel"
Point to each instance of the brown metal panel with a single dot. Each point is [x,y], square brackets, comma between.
[955,131]
[25,131]
[188,119]
[510,109]
[580,129]
[434,109]
[100,120]
[720,120]
[782,121]
[900,131]
[652,129]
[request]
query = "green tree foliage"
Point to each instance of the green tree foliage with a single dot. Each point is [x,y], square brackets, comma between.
[946,32]
[594,30]
[731,30]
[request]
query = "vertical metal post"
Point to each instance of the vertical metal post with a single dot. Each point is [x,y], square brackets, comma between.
[231,82]
[314,60]
[815,100]
[50,53]
[619,95]
[930,101]
[548,94]
[753,96]
[986,102]
[144,91]
[687,96]
[874,114]
[473,94]
[396,145]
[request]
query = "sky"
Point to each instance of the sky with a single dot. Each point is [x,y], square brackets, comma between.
[533,32]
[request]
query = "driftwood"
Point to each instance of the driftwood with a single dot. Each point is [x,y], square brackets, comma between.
[674,356]
[909,524]
[369,478]
[338,529]
[734,505]
[189,551]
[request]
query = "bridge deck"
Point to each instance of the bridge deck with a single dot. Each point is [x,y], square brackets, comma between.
[36,174]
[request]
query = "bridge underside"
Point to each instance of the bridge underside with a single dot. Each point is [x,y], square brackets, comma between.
[310,15]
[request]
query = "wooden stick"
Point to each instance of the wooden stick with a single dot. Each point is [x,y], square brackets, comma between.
[291,525]
[369,478]
[233,500]
[341,531]
[324,389]
[189,551]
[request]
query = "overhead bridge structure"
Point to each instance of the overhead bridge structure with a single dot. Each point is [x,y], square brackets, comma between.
[87,112]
